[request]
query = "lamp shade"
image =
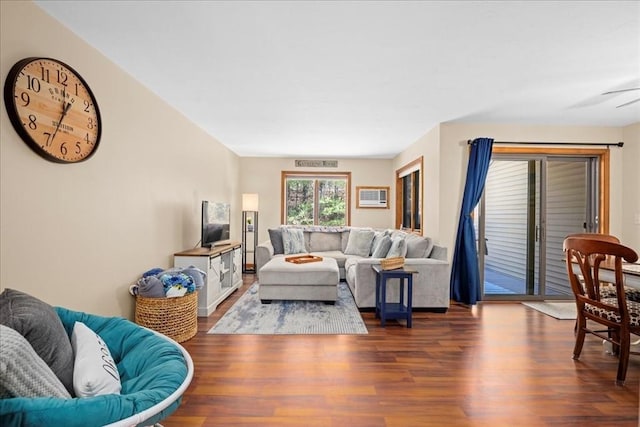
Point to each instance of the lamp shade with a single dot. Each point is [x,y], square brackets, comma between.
[250,202]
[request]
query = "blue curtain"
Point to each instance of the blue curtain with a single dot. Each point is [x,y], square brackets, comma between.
[465,274]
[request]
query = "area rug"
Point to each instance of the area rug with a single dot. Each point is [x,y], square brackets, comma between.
[250,317]
[559,310]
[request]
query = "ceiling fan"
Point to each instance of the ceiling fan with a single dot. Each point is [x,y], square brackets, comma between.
[611,92]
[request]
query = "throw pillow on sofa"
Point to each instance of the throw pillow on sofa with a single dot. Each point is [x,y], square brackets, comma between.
[382,247]
[275,235]
[398,248]
[418,246]
[38,322]
[359,242]
[293,241]
[22,372]
[376,239]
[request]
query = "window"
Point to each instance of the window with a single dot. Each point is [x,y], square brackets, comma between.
[316,198]
[409,196]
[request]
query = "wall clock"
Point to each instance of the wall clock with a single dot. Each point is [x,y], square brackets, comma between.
[53,109]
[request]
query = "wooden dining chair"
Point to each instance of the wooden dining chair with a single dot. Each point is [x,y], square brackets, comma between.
[620,316]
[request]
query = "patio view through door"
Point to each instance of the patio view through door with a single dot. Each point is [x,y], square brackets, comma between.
[530,203]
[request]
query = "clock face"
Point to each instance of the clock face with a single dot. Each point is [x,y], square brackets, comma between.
[53,110]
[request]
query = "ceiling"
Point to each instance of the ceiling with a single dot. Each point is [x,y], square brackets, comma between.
[367,79]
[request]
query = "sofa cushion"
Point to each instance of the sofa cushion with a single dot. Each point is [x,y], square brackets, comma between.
[398,247]
[275,235]
[293,241]
[322,242]
[382,247]
[40,325]
[359,242]
[22,372]
[418,246]
[339,256]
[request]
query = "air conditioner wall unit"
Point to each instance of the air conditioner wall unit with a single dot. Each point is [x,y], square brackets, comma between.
[375,197]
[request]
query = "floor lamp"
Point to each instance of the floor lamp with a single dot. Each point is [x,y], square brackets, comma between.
[249,228]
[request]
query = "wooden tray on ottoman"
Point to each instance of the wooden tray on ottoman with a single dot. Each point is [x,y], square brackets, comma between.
[303,259]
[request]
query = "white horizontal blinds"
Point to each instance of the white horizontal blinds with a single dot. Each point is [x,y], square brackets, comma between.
[566,213]
[506,206]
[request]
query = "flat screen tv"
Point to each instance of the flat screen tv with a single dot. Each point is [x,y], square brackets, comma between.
[216,218]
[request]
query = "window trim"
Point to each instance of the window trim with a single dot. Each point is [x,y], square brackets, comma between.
[284,175]
[409,168]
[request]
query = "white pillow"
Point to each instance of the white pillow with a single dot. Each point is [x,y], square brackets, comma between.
[94,371]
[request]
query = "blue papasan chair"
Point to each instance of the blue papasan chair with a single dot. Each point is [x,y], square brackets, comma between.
[154,372]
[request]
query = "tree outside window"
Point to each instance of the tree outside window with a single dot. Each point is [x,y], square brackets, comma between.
[316,199]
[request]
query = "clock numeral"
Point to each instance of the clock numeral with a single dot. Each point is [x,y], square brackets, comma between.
[48,141]
[45,74]
[33,83]
[76,89]
[90,123]
[63,149]
[24,96]
[62,78]
[32,122]
[86,138]
[87,104]
[78,149]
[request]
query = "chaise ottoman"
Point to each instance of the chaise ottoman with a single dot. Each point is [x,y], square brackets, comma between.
[312,281]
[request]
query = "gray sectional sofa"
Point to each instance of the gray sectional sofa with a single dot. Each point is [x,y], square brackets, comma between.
[353,251]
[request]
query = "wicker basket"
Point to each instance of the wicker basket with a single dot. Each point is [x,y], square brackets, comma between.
[392,263]
[176,318]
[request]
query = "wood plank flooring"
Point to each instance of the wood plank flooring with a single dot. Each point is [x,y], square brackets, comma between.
[496,364]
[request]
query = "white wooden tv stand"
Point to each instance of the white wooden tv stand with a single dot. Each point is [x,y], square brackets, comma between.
[223,265]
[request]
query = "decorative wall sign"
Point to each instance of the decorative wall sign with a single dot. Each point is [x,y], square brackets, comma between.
[316,163]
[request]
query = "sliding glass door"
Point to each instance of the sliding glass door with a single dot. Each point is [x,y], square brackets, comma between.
[529,205]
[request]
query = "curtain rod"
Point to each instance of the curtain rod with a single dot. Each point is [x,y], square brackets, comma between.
[607,144]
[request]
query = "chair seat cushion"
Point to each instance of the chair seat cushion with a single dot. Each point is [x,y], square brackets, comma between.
[608,290]
[632,306]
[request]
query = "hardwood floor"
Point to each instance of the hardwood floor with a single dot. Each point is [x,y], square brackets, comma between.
[495,364]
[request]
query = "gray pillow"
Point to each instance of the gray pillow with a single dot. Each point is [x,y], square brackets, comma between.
[382,247]
[293,241]
[38,322]
[376,239]
[418,247]
[359,242]
[22,372]
[398,248]
[275,234]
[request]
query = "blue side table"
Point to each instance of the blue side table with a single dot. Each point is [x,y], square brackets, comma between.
[389,310]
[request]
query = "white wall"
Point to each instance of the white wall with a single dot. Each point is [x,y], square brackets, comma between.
[630,221]
[263,176]
[78,235]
